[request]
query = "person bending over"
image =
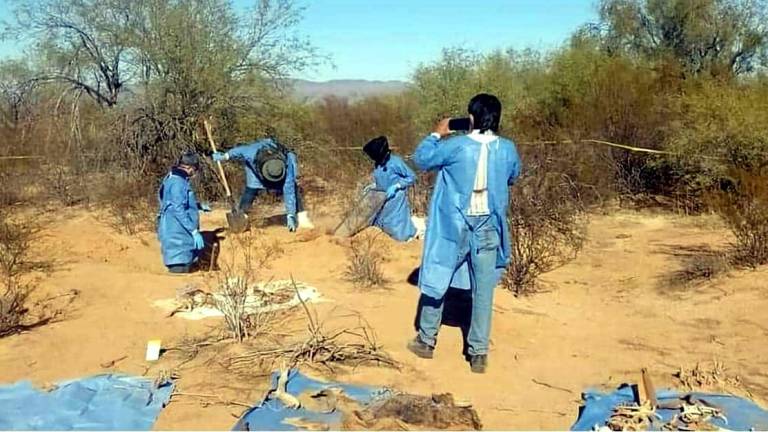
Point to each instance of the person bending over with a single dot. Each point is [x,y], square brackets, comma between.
[392,176]
[269,166]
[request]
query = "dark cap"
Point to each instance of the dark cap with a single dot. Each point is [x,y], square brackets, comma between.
[190,158]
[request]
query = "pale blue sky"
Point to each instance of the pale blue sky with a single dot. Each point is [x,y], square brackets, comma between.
[387,39]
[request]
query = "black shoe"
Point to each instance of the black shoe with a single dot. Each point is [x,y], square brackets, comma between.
[421,349]
[478,363]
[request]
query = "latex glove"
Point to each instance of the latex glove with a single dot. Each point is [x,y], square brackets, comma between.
[369,188]
[204,207]
[218,157]
[199,242]
[291,223]
[392,190]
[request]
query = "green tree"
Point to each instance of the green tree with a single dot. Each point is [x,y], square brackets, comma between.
[84,43]
[717,37]
[103,47]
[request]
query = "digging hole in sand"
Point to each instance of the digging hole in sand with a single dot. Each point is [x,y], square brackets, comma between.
[193,303]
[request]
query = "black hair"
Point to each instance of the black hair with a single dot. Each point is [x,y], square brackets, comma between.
[486,112]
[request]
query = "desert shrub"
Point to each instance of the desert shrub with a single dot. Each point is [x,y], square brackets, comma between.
[13,182]
[62,185]
[364,258]
[744,207]
[547,223]
[17,311]
[234,283]
[721,128]
[131,203]
[420,193]
[701,267]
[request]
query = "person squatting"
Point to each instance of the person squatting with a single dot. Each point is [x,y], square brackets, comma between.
[466,243]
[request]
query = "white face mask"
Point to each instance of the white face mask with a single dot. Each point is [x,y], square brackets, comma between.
[191,171]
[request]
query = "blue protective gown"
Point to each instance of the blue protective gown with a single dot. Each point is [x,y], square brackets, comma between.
[178,217]
[455,160]
[395,216]
[247,153]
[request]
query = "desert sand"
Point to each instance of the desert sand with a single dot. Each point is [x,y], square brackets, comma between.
[597,321]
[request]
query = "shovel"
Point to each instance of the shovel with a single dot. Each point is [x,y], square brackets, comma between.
[236,219]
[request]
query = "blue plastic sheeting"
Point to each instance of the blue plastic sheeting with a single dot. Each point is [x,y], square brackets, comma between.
[742,414]
[272,414]
[101,402]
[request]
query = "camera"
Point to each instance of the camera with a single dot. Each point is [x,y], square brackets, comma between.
[459,124]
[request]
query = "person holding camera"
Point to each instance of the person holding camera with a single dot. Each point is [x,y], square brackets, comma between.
[269,166]
[467,238]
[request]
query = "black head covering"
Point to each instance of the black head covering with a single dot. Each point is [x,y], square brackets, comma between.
[378,150]
[190,158]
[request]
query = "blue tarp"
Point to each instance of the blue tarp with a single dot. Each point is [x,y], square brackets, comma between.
[271,415]
[742,414]
[101,402]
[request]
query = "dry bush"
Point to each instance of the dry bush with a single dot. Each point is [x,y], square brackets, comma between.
[14,183]
[547,225]
[420,193]
[355,123]
[132,203]
[239,273]
[364,258]
[700,268]
[63,185]
[698,264]
[744,208]
[17,311]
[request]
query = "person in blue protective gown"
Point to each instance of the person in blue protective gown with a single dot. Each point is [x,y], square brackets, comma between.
[178,220]
[269,166]
[392,176]
[467,243]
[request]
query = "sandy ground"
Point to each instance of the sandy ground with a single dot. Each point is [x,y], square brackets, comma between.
[601,318]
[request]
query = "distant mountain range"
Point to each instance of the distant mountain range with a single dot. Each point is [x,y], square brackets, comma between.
[312,91]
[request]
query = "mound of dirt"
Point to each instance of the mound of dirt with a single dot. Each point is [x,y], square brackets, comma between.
[413,412]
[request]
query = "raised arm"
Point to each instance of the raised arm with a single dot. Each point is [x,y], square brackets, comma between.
[246,151]
[432,153]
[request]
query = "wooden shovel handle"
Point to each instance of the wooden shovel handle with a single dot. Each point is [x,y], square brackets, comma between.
[218,164]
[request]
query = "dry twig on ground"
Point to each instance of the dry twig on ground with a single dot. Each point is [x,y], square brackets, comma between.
[346,346]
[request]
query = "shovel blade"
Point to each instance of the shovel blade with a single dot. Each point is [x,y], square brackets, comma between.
[237,221]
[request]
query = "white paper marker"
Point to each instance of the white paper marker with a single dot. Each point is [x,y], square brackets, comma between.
[153,350]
